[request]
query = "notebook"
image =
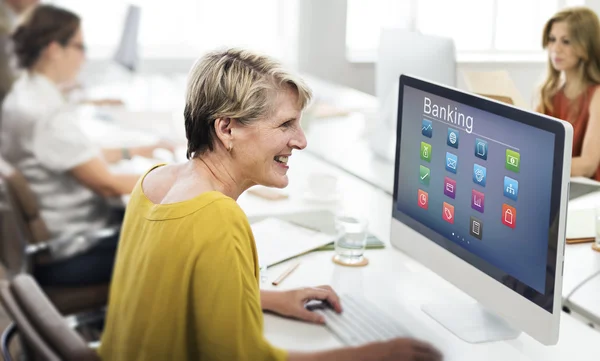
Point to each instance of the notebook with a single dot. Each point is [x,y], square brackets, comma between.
[372,243]
[278,240]
[581,225]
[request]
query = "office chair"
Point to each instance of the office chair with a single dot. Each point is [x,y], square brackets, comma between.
[25,242]
[42,328]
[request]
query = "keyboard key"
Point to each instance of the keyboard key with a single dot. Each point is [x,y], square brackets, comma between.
[361,322]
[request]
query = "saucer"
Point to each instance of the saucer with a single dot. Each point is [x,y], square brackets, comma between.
[330,198]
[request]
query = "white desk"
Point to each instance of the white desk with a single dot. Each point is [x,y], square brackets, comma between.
[585,301]
[341,140]
[581,262]
[396,282]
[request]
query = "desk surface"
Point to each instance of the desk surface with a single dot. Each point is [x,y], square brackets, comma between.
[586,300]
[394,281]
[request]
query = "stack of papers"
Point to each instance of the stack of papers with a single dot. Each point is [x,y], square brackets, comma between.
[278,240]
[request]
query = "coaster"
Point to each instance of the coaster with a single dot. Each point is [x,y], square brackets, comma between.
[362,263]
[595,247]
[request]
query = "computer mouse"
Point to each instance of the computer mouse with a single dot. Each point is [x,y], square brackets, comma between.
[315,305]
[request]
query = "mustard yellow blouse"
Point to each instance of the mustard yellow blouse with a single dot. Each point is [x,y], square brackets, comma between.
[185,284]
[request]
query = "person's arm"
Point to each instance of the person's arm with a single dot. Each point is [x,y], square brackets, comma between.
[95,175]
[228,319]
[61,145]
[587,163]
[113,155]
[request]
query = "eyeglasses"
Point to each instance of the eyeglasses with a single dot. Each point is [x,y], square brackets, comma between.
[79,46]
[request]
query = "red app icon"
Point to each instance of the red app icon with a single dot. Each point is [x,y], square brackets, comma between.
[509,216]
[448,213]
[423,199]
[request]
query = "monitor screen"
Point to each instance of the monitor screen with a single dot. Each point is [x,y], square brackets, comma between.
[479,182]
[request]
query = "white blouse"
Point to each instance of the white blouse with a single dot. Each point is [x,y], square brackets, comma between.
[41,136]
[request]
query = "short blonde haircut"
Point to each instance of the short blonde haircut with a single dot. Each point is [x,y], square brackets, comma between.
[233,83]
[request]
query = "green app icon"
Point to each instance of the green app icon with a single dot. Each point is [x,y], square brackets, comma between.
[424,175]
[513,160]
[426,151]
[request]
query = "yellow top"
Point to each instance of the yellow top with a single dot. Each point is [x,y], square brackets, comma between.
[185,284]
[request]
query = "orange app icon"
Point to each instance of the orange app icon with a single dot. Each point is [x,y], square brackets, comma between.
[423,199]
[448,213]
[509,215]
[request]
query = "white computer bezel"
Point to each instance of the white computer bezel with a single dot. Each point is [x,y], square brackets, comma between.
[519,312]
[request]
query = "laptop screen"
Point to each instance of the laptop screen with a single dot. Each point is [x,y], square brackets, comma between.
[479,183]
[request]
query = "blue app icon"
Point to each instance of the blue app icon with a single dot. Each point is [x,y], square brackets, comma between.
[427,128]
[481,148]
[479,174]
[511,188]
[452,138]
[451,162]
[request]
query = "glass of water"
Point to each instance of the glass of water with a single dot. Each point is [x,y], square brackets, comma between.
[351,240]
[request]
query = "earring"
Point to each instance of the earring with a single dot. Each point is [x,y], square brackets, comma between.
[230,147]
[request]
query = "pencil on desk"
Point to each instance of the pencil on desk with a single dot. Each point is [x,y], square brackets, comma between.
[285,274]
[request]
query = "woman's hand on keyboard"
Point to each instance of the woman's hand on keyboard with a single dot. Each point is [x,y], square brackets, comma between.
[291,303]
[405,349]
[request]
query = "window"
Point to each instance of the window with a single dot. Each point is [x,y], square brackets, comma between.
[182,28]
[477,26]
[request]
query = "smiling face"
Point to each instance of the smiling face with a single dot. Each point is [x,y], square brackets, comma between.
[262,148]
[561,52]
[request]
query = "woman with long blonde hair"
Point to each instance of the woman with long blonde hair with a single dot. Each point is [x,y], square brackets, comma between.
[572,39]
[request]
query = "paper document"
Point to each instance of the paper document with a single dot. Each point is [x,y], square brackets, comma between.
[581,224]
[278,240]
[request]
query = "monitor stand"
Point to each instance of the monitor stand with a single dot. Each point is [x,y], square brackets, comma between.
[471,322]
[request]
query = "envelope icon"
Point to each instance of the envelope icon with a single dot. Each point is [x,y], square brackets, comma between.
[451,163]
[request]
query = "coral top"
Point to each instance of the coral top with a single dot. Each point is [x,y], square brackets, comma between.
[579,119]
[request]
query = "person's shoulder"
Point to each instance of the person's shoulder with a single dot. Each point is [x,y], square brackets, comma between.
[25,99]
[223,215]
[594,100]
[224,209]
[594,93]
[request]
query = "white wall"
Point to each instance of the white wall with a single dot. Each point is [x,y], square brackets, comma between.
[322,52]
[322,45]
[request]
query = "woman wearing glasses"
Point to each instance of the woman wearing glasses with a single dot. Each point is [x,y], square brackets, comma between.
[41,137]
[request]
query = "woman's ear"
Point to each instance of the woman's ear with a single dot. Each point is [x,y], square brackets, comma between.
[52,50]
[223,130]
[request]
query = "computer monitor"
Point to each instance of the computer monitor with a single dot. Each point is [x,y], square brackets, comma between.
[127,51]
[406,52]
[480,198]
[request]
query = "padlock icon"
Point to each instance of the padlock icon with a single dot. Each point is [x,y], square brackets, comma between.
[508,216]
[425,152]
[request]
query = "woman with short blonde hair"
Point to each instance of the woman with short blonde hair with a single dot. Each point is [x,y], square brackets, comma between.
[186,283]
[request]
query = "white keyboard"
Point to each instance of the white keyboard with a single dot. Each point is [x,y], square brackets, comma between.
[360,322]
